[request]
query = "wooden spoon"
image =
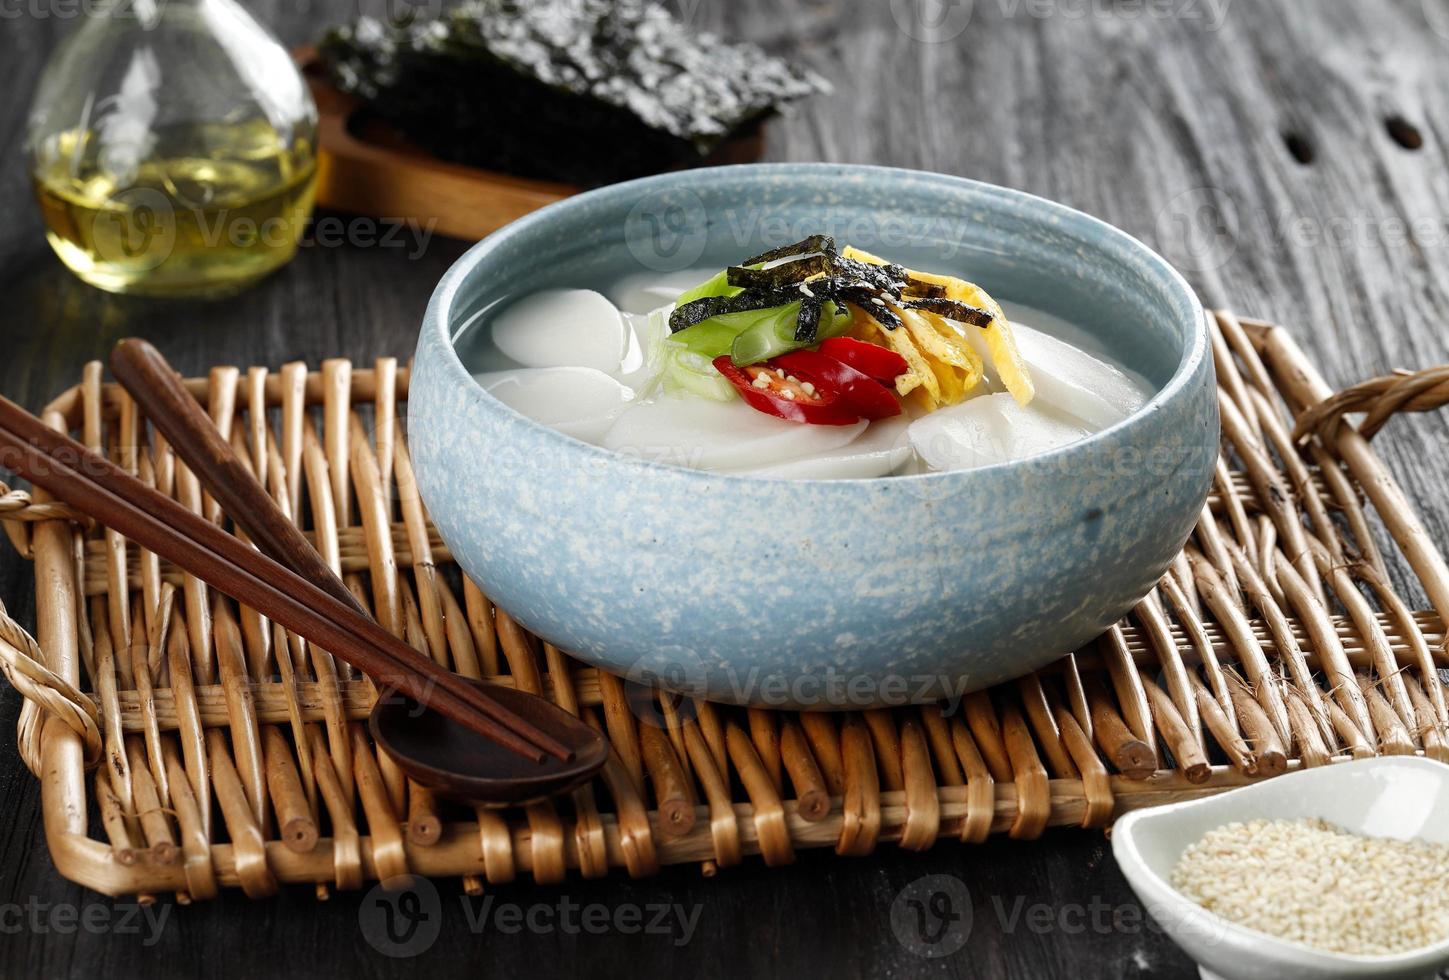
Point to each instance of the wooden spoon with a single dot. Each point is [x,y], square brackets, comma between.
[446,757]
[438,752]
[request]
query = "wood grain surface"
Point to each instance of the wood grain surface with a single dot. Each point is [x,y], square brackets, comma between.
[1289,157]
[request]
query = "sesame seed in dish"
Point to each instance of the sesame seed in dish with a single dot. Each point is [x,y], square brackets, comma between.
[1311,882]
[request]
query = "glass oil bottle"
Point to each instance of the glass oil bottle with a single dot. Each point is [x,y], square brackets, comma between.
[172,149]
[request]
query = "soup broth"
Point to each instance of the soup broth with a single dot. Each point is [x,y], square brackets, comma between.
[589,364]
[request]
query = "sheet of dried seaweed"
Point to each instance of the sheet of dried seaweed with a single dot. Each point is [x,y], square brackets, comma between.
[584,91]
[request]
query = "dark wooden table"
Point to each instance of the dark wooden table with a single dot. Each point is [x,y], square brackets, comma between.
[1290,157]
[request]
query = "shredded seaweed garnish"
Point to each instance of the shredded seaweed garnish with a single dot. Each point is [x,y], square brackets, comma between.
[952,310]
[870,302]
[807,322]
[784,274]
[813,272]
[927,290]
[815,243]
[750,299]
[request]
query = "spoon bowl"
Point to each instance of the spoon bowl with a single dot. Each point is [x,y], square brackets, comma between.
[456,762]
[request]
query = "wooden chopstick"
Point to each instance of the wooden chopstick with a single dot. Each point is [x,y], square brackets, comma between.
[318,621]
[95,486]
[145,374]
[194,544]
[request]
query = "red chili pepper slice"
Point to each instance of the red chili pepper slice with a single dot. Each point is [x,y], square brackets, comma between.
[768,388]
[856,389]
[881,363]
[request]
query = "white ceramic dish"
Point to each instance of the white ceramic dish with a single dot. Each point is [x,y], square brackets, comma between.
[1398,797]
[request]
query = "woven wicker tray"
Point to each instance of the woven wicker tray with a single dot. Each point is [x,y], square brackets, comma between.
[185,744]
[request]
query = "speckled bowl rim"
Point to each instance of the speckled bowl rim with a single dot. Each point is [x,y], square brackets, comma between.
[1098,233]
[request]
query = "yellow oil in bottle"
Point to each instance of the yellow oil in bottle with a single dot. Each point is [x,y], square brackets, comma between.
[206,210]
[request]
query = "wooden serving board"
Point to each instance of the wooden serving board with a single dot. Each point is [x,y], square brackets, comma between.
[365,166]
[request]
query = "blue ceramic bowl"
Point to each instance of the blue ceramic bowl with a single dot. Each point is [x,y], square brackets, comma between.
[817,594]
